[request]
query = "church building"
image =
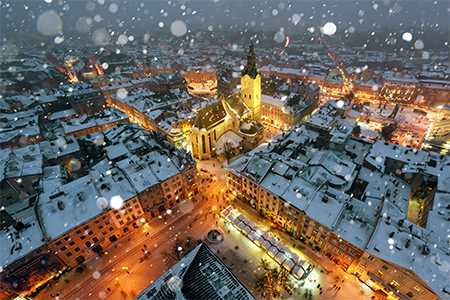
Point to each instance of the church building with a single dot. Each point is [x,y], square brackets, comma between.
[228,125]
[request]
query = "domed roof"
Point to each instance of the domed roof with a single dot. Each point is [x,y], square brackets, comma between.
[176,131]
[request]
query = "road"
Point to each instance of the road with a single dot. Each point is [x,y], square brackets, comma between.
[128,266]
[244,261]
[133,263]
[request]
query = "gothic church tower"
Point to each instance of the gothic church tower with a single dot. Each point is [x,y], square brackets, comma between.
[251,85]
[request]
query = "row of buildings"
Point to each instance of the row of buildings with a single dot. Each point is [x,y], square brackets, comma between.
[354,201]
[210,69]
[52,222]
[213,127]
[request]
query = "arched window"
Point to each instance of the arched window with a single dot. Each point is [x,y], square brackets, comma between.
[203,143]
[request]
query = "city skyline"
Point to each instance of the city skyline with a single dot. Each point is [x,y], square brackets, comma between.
[180,157]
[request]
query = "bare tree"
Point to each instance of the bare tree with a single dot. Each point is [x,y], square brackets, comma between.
[387,131]
[399,119]
[274,281]
[368,113]
[179,249]
[350,96]
[228,151]
[356,132]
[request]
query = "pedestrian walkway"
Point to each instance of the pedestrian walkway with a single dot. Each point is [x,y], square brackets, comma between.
[326,273]
[75,277]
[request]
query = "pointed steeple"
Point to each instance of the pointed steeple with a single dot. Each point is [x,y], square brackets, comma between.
[250,68]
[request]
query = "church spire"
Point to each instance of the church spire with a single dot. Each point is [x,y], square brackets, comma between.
[250,68]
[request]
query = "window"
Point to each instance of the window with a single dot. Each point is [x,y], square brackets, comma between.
[64,248]
[379,273]
[417,288]
[71,243]
[67,238]
[118,217]
[58,243]
[364,265]
[107,223]
[385,267]
[134,201]
[82,237]
[370,257]
[110,229]
[90,233]
[69,254]
[100,227]
[88,244]
[104,218]
[104,232]
[121,223]
[125,230]
[136,206]
[394,284]
[139,212]
[86,227]
[401,277]
[96,222]
[76,249]
[410,295]
[95,239]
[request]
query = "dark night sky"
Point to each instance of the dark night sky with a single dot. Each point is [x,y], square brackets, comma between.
[138,16]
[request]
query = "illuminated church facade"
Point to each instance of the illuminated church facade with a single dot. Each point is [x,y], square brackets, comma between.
[233,123]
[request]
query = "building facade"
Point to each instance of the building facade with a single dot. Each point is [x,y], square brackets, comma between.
[239,112]
[251,85]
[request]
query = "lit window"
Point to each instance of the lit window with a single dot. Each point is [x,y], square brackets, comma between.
[394,284]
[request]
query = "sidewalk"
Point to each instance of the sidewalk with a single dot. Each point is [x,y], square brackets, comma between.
[77,276]
[326,272]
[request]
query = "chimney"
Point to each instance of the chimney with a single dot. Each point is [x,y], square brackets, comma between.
[408,243]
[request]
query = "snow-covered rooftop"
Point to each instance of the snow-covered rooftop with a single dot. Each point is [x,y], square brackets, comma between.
[198,275]
[15,245]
